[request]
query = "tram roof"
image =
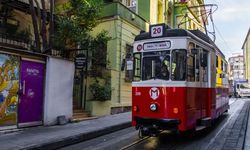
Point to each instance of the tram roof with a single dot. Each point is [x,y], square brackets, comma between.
[179,33]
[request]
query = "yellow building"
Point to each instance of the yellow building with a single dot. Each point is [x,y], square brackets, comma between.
[246,54]
[190,14]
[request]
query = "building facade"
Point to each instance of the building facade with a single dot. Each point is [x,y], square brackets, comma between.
[236,68]
[246,54]
[190,14]
[27,75]
[123,20]
[123,24]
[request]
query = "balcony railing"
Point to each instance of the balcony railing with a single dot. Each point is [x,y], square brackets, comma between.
[14,41]
[118,9]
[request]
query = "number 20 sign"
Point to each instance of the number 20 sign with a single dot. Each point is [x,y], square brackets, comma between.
[156,31]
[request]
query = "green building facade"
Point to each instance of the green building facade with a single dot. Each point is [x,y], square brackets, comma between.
[122,24]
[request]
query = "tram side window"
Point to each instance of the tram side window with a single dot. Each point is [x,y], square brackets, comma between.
[204,66]
[217,61]
[191,68]
[137,67]
[197,67]
[222,65]
[178,65]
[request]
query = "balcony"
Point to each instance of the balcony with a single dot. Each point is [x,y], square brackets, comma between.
[15,41]
[118,9]
[133,8]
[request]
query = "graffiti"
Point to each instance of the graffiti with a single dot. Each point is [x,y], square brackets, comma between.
[9,81]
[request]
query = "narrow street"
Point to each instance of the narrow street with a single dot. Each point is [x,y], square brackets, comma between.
[213,138]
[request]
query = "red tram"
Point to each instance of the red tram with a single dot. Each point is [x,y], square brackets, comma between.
[180,81]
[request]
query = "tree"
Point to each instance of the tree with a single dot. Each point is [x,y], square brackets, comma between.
[75,20]
[39,16]
[43,30]
[35,26]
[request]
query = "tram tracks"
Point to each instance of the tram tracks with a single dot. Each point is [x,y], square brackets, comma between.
[135,143]
[172,145]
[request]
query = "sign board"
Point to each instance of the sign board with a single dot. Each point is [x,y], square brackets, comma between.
[157,45]
[157,30]
[80,61]
[129,65]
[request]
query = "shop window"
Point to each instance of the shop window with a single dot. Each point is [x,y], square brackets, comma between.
[131,4]
[129,63]
[137,67]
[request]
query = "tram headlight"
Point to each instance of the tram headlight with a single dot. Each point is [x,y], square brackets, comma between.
[153,107]
[135,108]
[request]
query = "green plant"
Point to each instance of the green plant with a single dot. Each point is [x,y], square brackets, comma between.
[75,21]
[100,92]
[99,49]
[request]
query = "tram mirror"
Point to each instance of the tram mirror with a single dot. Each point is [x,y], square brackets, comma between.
[194,51]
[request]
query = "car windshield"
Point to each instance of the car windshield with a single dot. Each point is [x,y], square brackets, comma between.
[245,86]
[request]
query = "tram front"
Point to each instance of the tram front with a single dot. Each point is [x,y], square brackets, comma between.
[158,88]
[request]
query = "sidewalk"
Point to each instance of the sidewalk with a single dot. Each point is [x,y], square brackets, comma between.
[57,136]
[247,136]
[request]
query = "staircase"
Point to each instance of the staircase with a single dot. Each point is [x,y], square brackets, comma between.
[80,114]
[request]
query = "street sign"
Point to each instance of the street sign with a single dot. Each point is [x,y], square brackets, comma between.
[80,61]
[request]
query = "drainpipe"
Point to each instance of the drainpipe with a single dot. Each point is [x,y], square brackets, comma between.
[120,59]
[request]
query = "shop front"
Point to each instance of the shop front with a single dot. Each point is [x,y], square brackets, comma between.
[21,90]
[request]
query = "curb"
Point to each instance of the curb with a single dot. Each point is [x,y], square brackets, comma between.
[59,143]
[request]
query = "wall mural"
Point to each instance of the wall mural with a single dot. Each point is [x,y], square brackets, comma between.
[9,82]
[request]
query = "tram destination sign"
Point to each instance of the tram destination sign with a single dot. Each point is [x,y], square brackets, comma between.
[157,45]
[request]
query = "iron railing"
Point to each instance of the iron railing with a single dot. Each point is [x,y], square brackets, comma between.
[21,42]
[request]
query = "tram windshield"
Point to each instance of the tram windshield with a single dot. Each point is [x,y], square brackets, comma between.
[162,65]
[156,65]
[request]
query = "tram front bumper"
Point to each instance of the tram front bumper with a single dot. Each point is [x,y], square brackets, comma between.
[161,123]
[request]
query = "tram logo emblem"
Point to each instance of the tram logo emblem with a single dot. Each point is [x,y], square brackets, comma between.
[154,93]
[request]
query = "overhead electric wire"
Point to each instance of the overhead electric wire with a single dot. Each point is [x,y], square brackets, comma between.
[226,44]
[209,13]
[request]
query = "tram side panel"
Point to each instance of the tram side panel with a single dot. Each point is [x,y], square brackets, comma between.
[222,90]
[212,88]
